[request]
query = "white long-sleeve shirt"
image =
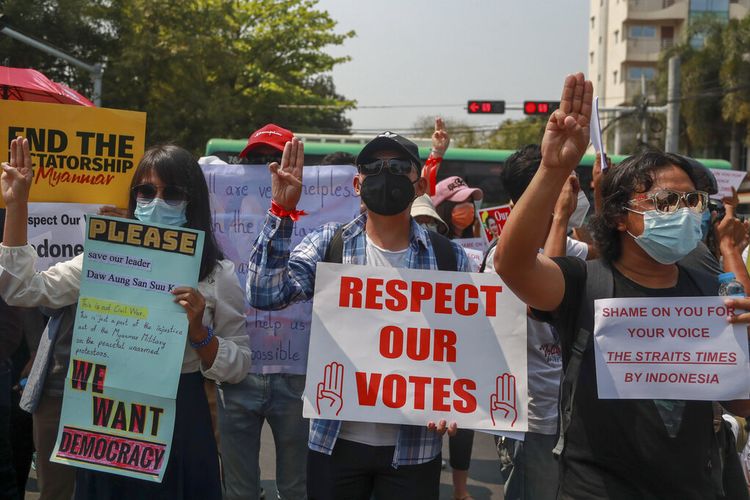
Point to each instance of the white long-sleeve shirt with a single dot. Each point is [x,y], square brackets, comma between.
[60,285]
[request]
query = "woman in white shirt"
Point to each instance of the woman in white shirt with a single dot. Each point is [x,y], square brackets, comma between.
[168,187]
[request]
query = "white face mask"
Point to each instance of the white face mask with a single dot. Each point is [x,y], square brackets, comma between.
[579,215]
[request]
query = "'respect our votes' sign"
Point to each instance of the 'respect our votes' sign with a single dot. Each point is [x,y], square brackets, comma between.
[240,199]
[408,346]
[127,348]
[670,348]
[80,154]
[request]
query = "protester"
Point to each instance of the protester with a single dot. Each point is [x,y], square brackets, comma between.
[335,158]
[454,203]
[440,142]
[616,448]
[535,471]
[352,460]
[11,334]
[269,393]
[168,187]
[424,213]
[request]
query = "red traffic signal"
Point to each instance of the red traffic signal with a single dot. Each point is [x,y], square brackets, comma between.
[540,107]
[485,107]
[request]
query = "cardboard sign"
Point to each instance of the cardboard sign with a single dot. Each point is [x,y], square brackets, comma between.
[80,154]
[409,346]
[56,231]
[493,220]
[726,180]
[670,348]
[128,343]
[240,198]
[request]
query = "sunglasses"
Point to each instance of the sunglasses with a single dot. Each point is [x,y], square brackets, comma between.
[667,201]
[394,166]
[172,195]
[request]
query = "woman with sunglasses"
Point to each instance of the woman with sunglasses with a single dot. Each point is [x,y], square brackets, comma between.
[650,220]
[168,187]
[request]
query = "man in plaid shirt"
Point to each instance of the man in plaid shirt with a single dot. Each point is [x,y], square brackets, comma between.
[353,460]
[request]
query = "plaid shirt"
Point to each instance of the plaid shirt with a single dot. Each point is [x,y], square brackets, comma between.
[275,279]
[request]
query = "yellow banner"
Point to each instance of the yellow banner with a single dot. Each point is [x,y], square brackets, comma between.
[80,154]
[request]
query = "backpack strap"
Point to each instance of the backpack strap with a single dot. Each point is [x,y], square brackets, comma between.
[600,283]
[335,250]
[487,254]
[444,254]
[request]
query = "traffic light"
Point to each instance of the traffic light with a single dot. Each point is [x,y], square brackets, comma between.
[540,107]
[478,107]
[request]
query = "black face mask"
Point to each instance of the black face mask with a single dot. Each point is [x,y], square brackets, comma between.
[386,193]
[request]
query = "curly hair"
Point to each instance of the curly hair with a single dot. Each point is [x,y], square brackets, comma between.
[635,174]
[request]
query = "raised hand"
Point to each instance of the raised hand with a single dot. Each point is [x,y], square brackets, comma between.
[503,400]
[331,389]
[440,138]
[286,178]
[566,136]
[17,175]
[568,199]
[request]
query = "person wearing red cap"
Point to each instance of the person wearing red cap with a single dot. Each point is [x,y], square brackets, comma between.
[268,393]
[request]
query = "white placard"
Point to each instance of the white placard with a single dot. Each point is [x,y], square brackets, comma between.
[56,231]
[669,348]
[240,199]
[726,180]
[409,346]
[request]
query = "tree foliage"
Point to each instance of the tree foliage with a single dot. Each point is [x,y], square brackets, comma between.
[510,134]
[202,68]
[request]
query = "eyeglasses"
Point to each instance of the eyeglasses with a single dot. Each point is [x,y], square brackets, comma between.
[252,159]
[667,201]
[172,195]
[394,165]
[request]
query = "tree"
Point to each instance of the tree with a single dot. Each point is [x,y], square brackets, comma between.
[510,134]
[735,76]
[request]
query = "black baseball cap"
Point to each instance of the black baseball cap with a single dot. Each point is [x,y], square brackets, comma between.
[390,141]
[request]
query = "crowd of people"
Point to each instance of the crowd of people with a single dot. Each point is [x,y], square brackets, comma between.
[653,233]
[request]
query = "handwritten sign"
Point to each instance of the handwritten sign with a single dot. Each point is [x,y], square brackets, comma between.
[726,180]
[56,231]
[408,346]
[240,198]
[669,348]
[128,343]
[493,220]
[80,154]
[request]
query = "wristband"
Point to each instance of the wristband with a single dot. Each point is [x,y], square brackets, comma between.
[435,153]
[204,342]
[278,211]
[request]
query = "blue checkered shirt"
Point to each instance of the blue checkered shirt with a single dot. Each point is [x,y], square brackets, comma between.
[277,278]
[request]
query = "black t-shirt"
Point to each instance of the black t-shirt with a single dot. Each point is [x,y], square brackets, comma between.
[630,449]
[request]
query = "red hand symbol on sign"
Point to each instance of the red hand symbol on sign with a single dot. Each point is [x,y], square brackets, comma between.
[331,388]
[504,398]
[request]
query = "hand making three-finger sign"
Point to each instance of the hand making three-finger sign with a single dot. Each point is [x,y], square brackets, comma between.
[286,177]
[17,174]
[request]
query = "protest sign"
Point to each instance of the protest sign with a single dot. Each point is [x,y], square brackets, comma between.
[80,154]
[56,231]
[408,346]
[493,220]
[669,348]
[240,198]
[726,180]
[127,348]
[595,130]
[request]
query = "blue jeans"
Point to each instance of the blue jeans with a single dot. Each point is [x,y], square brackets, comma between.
[243,408]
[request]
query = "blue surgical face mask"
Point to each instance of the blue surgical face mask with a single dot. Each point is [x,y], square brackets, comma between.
[667,238]
[705,224]
[158,211]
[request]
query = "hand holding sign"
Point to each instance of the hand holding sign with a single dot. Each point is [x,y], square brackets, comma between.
[17,176]
[286,179]
[332,387]
[504,398]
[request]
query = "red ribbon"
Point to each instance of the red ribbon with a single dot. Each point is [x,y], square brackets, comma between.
[278,211]
[430,171]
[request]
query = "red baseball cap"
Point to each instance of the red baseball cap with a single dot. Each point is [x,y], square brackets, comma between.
[270,135]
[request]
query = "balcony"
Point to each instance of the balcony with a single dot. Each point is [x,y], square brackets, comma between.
[657,10]
[633,89]
[646,49]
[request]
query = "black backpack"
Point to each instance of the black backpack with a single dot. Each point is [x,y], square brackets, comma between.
[444,255]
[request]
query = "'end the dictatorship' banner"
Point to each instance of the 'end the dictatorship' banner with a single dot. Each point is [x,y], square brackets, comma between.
[80,154]
[408,346]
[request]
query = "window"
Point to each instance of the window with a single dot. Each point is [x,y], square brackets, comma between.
[617,36]
[592,22]
[591,57]
[614,76]
[600,40]
[709,5]
[636,72]
[639,31]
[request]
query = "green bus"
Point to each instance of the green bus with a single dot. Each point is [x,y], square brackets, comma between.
[478,167]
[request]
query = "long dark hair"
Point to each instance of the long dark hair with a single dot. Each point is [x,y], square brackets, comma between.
[445,211]
[176,166]
[635,174]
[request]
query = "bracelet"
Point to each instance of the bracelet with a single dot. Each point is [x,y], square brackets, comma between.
[435,153]
[204,342]
[279,211]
